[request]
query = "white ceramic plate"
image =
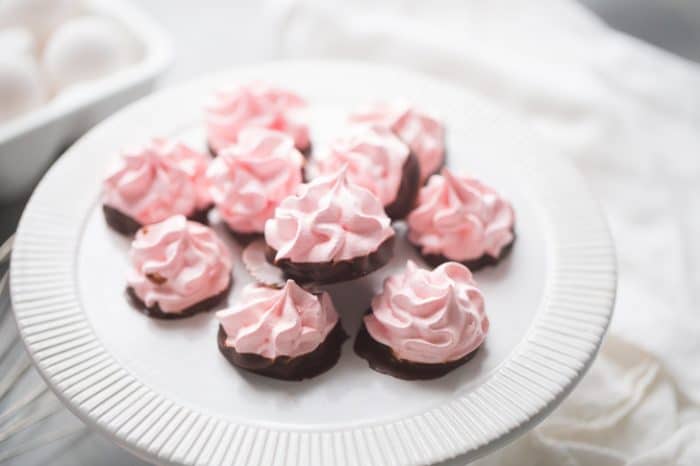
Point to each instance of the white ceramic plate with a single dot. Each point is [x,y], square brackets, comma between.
[162,390]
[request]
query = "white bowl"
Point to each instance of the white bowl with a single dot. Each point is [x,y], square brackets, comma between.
[29,143]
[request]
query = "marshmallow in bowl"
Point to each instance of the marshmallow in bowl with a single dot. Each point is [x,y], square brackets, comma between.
[39,16]
[84,49]
[21,88]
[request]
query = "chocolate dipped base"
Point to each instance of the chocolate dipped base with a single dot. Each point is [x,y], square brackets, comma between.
[201,215]
[408,190]
[208,304]
[306,151]
[302,367]
[486,260]
[382,359]
[244,239]
[332,272]
[128,226]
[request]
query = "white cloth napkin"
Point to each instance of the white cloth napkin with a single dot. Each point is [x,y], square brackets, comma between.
[628,115]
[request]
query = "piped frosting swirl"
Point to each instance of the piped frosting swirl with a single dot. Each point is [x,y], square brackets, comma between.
[273,322]
[250,178]
[429,317]
[460,218]
[374,156]
[328,219]
[148,185]
[177,264]
[423,132]
[258,105]
[195,164]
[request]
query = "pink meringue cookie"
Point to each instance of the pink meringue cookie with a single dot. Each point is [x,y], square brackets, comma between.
[249,179]
[273,322]
[177,263]
[258,105]
[460,218]
[430,317]
[423,132]
[328,220]
[195,164]
[375,159]
[148,186]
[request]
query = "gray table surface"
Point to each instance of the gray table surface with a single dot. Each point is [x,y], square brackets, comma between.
[671,25]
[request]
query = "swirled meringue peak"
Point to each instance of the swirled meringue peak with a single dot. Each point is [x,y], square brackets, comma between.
[374,156]
[250,178]
[259,105]
[430,317]
[273,322]
[178,263]
[148,185]
[195,164]
[460,218]
[328,220]
[423,132]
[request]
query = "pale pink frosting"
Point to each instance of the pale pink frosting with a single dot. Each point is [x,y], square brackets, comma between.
[275,322]
[429,316]
[460,218]
[421,131]
[249,179]
[374,156]
[177,263]
[149,186]
[260,105]
[328,219]
[195,164]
